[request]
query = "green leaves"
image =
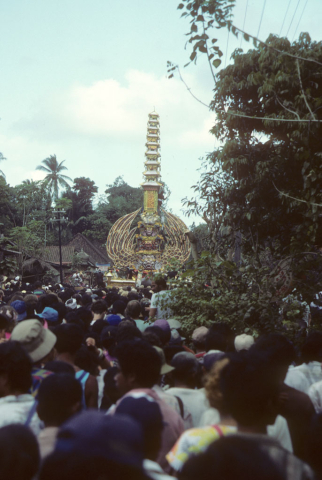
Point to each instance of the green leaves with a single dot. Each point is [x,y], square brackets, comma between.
[216,63]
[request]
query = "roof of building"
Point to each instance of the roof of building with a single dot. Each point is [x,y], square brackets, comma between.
[96,254]
[51,255]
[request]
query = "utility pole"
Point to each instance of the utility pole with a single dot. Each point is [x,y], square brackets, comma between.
[60,220]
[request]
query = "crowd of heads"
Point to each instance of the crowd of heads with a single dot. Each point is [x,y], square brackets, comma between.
[100,383]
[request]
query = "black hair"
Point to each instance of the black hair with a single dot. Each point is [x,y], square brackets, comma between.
[147,293]
[279,349]
[87,299]
[152,338]
[118,307]
[69,338]
[159,332]
[249,386]
[87,360]
[57,395]
[16,363]
[171,350]
[19,453]
[220,337]
[233,457]
[4,321]
[141,359]
[61,309]
[99,307]
[85,315]
[46,300]
[312,348]
[111,393]
[107,339]
[58,367]
[127,331]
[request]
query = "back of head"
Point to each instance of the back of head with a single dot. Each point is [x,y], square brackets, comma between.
[133,309]
[19,453]
[59,367]
[187,368]
[127,331]
[46,301]
[140,359]
[278,350]
[59,397]
[80,452]
[69,338]
[99,307]
[16,365]
[220,337]
[230,458]
[118,307]
[250,388]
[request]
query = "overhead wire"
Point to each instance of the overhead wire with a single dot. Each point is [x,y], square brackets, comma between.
[293,16]
[297,26]
[288,6]
[260,23]
[241,38]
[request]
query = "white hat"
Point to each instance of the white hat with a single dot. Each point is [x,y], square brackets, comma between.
[71,303]
[243,342]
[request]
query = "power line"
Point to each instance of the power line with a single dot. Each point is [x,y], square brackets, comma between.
[297,26]
[288,6]
[260,23]
[241,38]
[293,17]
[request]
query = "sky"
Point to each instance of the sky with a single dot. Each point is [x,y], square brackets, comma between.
[79,77]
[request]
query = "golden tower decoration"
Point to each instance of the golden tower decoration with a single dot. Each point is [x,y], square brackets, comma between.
[159,236]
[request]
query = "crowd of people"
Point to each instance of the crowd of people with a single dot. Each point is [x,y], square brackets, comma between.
[101,384]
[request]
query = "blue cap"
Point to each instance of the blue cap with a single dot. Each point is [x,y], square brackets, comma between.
[21,308]
[49,314]
[145,410]
[91,434]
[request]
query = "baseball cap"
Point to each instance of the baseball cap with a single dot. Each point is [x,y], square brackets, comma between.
[243,342]
[212,357]
[21,308]
[36,340]
[116,438]
[49,314]
[165,367]
[176,338]
[199,334]
[114,320]
[163,324]
[174,323]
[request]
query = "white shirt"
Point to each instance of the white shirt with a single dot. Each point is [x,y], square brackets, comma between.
[303,376]
[172,401]
[15,409]
[159,301]
[194,400]
[315,394]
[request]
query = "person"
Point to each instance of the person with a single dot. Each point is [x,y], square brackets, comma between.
[241,456]
[220,337]
[59,398]
[94,446]
[140,367]
[133,311]
[199,341]
[2,302]
[173,401]
[159,300]
[39,343]
[196,440]
[4,323]
[294,405]
[186,378]
[69,341]
[99,311]
[16,404]
[147,413]
[21,308]
[19,453]
[310,371]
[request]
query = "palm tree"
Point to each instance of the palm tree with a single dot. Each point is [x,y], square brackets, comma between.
[54,179]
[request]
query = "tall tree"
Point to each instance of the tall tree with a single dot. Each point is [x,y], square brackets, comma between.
[54,178]
[1,159]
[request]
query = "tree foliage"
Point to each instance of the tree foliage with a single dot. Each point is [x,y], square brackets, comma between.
[54,178]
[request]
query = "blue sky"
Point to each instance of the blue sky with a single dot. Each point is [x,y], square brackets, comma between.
[78,79]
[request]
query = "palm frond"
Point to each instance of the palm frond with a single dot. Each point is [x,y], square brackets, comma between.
[43,169]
